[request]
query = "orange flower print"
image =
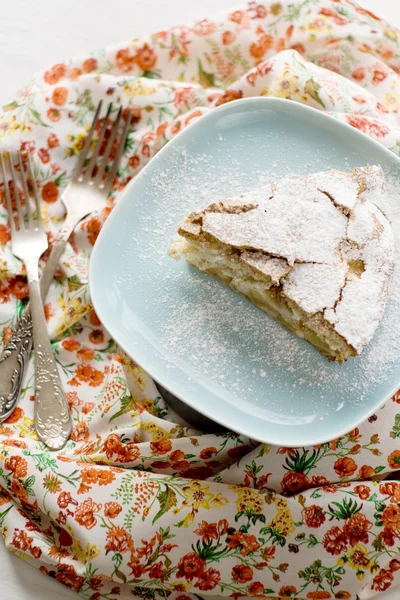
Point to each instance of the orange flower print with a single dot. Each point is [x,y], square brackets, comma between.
[363,491]
[64,499]
[4,234]
[319,595]
[112,509]
[53,75]
[105,477]
[4,496]
[85,513]
[239,451]
[87,374]
[134,161]
[207,453]
[394,564]
[394,459]
[60,95]
[17,465]
[74,73]
[176,456]
[292,483]
[92,228]
[44,155]
[15,416]
[85,354]
[208,580]
[19,287]
[118,540]
[71,345]
[259,48]
[67,575]
[330,12]
[80,433]
[228,37]
[345,467]
[300,48]
[242,573]
[53,141]
[207,531]
[18,490]
[7,333]
[94,319]
[380,74]
[124,60]
[228,96]
[88,407]
[89,65]
[161,129]
[382,581]
[22,541]
[342,595]
[54,115]
[48,311]
[90,475]
[313,516]
[145,58]
[50,192]
[391,517]
[190,566]
[287,591]
[366,472]
[356,529]
[112,445]
[368,125]
[204,27]
[358,74]
[392,489]
[161,446]
[256,589]
[334,541]
[245,541]
[96,336]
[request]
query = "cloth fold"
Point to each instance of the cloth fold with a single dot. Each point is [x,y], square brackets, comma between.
[138,503]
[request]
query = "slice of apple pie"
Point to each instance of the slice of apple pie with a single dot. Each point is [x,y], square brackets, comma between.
[316,253]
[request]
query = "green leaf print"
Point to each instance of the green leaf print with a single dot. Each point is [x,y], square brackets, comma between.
[395,433]
[167,500]
[205,79]
[4,514]
[35,118]
[312,88]
[128,405]
[347,509]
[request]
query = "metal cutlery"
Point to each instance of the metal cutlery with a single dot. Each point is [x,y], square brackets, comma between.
[28,241]
[87,192]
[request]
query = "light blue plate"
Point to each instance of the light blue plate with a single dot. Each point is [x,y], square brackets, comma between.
[205,344]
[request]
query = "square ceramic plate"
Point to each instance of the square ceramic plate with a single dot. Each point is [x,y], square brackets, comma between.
[205,344]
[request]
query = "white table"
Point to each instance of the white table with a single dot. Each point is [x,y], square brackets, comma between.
[36,34]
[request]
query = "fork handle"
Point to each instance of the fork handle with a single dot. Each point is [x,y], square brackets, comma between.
[53,422]
[15,355]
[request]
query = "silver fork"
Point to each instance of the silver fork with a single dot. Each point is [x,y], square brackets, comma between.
[86,193]
[28,241]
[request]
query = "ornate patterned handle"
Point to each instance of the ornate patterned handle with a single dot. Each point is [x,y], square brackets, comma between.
[52,418]
[15,355]
[13,361]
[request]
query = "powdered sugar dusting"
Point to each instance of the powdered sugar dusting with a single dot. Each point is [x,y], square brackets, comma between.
[220,336]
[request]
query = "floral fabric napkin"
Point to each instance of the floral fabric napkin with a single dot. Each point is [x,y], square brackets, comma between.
[138,504]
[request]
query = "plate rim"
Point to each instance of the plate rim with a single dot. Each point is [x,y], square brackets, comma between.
[279,104]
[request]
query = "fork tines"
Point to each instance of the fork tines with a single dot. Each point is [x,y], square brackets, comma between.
[96,174]
[27,176]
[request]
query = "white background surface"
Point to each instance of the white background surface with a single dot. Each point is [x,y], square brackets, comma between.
[35,34]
